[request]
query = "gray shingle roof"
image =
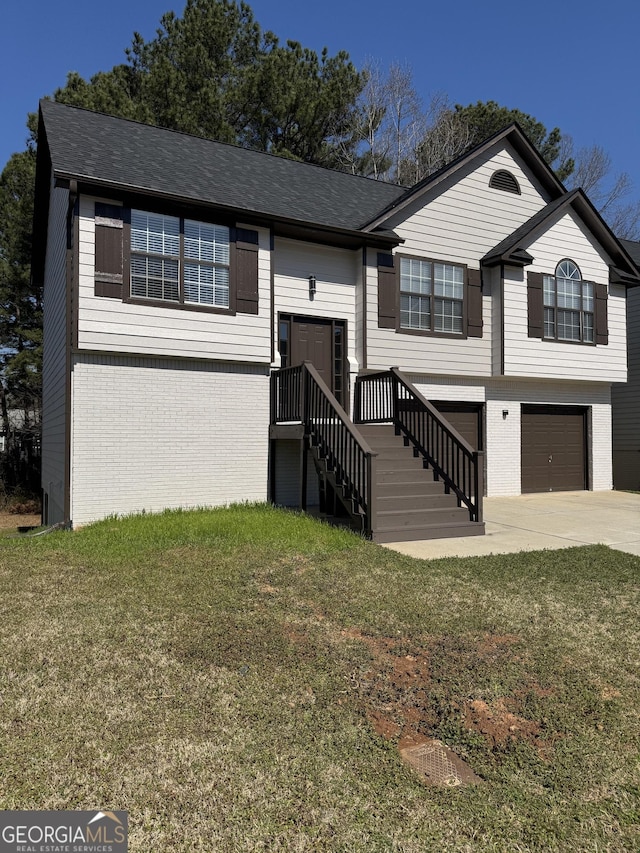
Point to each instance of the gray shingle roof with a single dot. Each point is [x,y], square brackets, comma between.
[95,147]
[633,249]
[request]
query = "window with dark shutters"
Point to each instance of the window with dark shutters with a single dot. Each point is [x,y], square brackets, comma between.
[109,229]
[424,296]
[175,261]
[474,303]
[565,308]
[387,291]
[602,322]
[534,305]
[246,270]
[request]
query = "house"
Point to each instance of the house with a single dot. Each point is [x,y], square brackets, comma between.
[210,311]
[625,399]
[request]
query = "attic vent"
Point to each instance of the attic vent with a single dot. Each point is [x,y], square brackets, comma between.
[505,181]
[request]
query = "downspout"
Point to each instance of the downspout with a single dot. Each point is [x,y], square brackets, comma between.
[71,273]
[363,364]
[272,286]
[502,319]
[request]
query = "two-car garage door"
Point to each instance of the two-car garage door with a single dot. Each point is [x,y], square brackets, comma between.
[553,448]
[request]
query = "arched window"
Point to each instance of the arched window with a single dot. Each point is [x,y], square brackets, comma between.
[568,270]
[568,305]
[505,181]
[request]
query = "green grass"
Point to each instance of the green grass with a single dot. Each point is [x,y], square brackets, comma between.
[218,675]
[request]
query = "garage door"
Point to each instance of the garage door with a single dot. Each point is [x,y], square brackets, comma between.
[553,448]
[465,418]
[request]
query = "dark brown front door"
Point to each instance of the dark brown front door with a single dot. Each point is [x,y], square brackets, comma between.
[320,341]
[553,448]
[312,340]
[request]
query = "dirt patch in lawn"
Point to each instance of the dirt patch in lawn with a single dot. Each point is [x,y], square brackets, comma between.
[408,703]
[497,724]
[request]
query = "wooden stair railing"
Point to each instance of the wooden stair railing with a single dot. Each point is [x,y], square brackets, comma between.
[388,397]
[299,394]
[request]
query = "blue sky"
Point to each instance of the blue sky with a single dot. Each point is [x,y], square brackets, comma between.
[565,62]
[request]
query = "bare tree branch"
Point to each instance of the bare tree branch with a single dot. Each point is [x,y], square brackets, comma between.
[607,191]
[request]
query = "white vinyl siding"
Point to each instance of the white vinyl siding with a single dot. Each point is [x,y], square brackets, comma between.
[533,357]
[54,368]
[461,220]
[338,274]
[153,433]
[492,285]
[110,325]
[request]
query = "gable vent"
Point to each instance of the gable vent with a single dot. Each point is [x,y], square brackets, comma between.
[505,181]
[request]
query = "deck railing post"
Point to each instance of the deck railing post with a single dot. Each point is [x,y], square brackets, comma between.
[305,404]
[303,474]
[395,414]
[371,498]
[479,484]
[274,397]
[357,401]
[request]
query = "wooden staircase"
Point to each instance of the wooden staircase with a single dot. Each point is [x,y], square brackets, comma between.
[411,504]
[400,472]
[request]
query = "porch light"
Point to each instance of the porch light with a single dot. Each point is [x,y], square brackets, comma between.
[505,412]
[312,286]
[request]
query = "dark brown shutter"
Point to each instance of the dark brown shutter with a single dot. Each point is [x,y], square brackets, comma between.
[246,267]
[108,250]
[387,292]
[474,303]
[535,304]
[601,320]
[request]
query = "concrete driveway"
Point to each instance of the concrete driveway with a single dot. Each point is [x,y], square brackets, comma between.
[550,520]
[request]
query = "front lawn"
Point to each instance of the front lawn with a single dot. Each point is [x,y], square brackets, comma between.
[243,679]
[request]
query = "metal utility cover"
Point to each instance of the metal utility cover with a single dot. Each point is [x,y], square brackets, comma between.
[439,765]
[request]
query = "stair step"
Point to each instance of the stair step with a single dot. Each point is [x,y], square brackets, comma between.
[399,462]
[406,474]
[376,429]
[422,485]
[382,441]
[398,519]
[430,531]
[395,452]
[423,501]
[383,438]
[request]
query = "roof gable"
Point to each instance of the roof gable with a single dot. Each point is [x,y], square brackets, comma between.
[512,135]
[513,249]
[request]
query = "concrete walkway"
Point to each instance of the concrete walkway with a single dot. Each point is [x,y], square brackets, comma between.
[551,520]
